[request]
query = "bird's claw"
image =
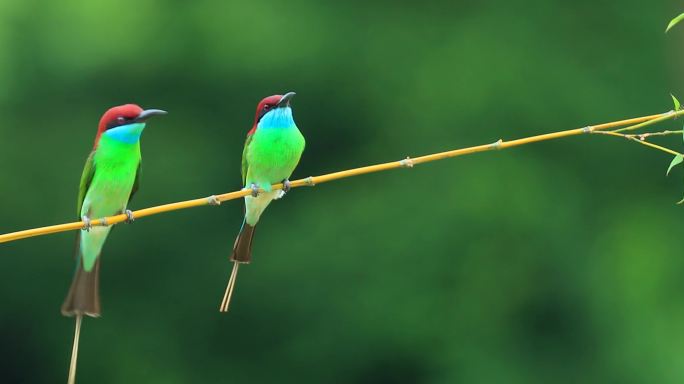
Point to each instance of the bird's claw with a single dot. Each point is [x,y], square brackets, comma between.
[129,215]
[255,190]
[286,186]
[86,223]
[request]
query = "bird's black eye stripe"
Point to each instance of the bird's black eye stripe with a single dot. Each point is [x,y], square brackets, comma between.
[119,121]
[264,110]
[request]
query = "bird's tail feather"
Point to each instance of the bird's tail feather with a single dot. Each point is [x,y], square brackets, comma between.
[84,294]
[242,254]
[74,351]
[242,249]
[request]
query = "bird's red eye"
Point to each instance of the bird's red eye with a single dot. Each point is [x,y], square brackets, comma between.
[266,107]
[120,119]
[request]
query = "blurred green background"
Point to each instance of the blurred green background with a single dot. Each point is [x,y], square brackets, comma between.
[554,262]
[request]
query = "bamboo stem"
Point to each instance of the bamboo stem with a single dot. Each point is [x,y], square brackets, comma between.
[629,124]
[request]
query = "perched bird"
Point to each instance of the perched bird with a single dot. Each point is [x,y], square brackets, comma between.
[109,180]
[272,151]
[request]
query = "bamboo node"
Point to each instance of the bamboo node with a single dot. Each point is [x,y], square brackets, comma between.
[309,181]
[213,200]
[588,129]
[103,222]
[497,144]
[407,162]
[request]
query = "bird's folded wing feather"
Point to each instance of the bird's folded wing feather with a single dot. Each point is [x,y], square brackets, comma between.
[86,179]
[245,163]
[136,182]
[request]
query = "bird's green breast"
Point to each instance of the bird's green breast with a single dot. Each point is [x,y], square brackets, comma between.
[273,154]
[116,164]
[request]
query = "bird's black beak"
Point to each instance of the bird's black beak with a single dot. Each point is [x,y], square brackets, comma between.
[146,114]
[285,100]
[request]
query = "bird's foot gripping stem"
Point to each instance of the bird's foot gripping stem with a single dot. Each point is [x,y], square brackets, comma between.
[86,223]
[255,189]
[130,217]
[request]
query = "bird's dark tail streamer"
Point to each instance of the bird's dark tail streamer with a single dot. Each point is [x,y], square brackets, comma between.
[83,299]
[242,254]
[84,294]
[74,350]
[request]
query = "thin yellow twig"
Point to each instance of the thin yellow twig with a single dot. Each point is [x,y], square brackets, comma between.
[311,181]
[663,117]
[645,135]
[636,139]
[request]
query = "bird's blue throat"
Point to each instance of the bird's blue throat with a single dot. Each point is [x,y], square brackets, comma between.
[277,118]
[129,133]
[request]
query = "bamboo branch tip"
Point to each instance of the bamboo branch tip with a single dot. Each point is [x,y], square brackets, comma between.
[213,200]
[407,162]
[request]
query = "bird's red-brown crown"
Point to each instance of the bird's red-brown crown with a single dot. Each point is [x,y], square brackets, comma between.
[116,116]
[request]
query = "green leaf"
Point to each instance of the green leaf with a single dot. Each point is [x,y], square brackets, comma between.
[677,160]
[677,106]
[674,22]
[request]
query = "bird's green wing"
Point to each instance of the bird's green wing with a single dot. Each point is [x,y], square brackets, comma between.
[86,178]
[136,183]
[245,163]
